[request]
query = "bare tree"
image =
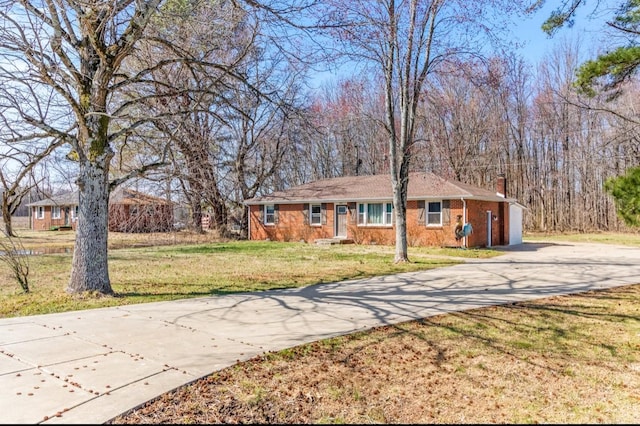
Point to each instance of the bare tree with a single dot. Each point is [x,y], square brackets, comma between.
[405,42]
[17,177]
[13,254]
[345,114]
[229,116]
[260,137]
[191,97]
[67,73]
[456,124]
[60,65]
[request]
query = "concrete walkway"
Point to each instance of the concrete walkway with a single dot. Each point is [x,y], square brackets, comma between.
[90,366]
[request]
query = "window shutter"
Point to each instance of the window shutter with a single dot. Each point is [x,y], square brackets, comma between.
[352,212]
[421,218]
[276,213]
[446,212]
[323,213]
[305,213]
[261,214]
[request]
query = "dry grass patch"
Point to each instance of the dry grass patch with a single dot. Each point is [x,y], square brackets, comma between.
[566,359]
[157,271]
[57,241]
[619,238]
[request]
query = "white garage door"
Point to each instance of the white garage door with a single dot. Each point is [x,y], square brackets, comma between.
[515,224]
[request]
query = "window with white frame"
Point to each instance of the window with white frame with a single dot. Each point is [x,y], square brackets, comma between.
[40,212]
[55,212]
[434,213]
[362,214]
[388,214]
[375,214]
[316,214]
[269,214]
[74,213]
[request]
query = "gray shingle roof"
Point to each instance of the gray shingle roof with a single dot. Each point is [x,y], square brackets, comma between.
[66,199]
[119,196]
[376,187]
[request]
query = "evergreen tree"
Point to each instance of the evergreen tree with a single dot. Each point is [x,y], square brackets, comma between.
[626,192]
[608,70]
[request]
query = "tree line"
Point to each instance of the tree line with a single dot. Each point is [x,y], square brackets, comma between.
[484,118]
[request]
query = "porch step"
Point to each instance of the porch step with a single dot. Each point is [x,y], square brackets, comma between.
[332,241]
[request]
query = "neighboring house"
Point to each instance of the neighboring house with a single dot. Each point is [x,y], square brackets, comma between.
[133,211]
[360,209]
[57,211]
[129,211]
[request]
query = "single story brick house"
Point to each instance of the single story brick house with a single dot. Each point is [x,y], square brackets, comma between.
[129,211]
[360,209]
[59,210]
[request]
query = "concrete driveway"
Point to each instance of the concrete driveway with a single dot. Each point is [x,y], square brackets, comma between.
[90,366]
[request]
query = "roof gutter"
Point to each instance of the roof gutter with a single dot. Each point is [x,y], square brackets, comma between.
[464,218]
[249,223]
[373,199]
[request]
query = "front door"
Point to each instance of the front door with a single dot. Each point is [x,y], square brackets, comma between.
[341,221]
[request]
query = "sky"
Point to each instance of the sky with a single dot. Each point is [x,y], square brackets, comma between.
[538,44]
[587,28]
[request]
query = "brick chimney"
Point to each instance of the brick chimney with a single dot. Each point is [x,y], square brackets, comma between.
[501,185]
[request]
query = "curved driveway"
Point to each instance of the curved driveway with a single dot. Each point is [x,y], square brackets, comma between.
[90,366]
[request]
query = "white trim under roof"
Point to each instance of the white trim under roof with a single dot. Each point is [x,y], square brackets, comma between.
[383,199]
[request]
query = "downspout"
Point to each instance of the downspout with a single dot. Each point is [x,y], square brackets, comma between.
[464,218]
[249,223]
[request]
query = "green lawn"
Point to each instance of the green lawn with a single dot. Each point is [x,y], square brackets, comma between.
[182,265]
[176,271]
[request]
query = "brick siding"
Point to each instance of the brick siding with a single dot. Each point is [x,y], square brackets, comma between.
[48,222]
[293,226]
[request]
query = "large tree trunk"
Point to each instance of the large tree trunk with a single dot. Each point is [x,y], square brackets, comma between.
[8,227]
[399,203]
[219,214]
[244,223]
[6,216]
[89,271]
[196,214]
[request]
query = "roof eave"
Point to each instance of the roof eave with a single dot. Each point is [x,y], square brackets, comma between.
[381,199]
